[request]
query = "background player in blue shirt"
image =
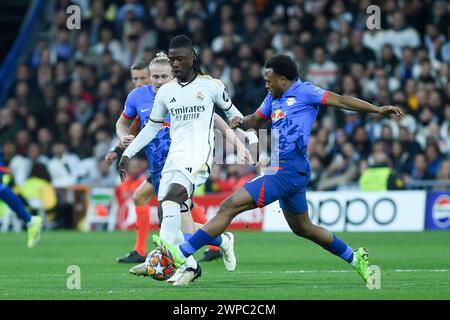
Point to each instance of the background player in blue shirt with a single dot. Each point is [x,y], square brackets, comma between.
[292,105]
[33,223]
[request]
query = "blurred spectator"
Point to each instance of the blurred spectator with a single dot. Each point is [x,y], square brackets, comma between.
[235,177]
[401,35]
[83,52]
[107,42]
[420,170]
[355,52]
[104,176]
[443,174]
[322,72]
[379,176]
[77,141]
[434,158]
[64,167]
[95,22]
[39,191]
[8,126]
[342,170]
[62,47]
[227,34]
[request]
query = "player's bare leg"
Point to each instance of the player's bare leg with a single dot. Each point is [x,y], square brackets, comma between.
[187,223]
[302,226]
[238,202]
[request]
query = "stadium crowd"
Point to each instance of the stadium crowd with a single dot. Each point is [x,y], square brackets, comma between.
[69,93]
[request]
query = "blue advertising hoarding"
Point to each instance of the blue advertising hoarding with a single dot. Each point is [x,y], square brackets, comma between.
[437,210]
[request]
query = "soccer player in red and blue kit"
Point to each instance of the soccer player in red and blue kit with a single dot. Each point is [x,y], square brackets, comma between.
[292,105]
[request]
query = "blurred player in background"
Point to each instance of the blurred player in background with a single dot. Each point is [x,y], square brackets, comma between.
[292,105]
[191,99]
[33,223]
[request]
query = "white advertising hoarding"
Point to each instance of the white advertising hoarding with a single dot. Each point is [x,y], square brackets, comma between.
[358,211]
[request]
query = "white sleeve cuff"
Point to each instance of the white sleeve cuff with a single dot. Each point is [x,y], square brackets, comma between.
[233,112]
[143,138]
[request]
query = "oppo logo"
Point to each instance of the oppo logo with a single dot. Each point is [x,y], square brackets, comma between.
[355,212]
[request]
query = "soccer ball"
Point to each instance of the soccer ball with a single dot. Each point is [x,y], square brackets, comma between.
[158,267]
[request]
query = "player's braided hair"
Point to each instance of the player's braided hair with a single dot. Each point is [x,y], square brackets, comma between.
[160,58]
[196,63]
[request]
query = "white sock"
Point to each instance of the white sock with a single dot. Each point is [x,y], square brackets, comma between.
[180,238]
[353,263]
[191,262]
[171,222]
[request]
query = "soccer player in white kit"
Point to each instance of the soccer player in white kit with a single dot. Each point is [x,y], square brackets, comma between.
[190,100]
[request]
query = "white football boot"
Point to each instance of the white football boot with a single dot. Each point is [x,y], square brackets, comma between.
[188,275]
[177,275]
[139,270]
[227,249]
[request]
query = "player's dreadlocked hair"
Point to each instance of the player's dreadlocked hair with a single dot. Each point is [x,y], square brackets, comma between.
[283,65]
[183,41]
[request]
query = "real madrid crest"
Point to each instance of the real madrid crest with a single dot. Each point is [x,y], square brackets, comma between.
[200,96]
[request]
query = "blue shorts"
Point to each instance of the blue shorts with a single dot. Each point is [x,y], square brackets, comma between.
[289,187]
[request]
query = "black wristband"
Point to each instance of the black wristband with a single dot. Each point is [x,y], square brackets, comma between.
[118,150]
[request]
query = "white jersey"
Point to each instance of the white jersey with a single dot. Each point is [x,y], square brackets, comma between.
[191,110]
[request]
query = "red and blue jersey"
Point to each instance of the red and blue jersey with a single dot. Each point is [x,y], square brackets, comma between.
[139,103]
[293,116]
[3,167]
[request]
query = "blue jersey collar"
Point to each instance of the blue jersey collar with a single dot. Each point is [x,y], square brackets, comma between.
[292,88]
[150,88]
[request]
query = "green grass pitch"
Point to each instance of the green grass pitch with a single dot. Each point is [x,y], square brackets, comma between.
[270,266]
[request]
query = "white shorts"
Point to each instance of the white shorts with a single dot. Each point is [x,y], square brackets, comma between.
[183,176]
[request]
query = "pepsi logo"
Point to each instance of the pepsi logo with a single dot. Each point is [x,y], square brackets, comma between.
[441,211]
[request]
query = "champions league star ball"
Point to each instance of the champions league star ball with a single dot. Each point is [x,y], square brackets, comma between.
[158,267]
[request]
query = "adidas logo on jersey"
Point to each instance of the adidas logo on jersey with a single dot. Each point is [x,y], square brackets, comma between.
[172,100]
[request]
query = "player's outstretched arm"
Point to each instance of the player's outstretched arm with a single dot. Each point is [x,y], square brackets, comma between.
[253,121]
[147,134]
[354,104]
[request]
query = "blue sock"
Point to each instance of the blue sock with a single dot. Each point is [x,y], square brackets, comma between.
[216,241]
[187,236]
[340,249]
[198,240]
[14,202]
